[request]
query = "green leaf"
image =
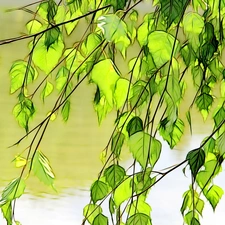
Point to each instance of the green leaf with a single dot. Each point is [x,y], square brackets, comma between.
[7,212]
[144,29]
[123,192]
[51,36]
[134,125]
[23,112]
[121,92]
[160,45]
[117,4]
[14,189]
[21,73]
[172,10]
[139,206]
[140,94]
[194,221]
[42,169]
[47,59]
[66,110]
[51,11]
[204,102]
[102,108]
[210,145]
[171,132]
[90,211]
[117,143]
[139,67]
[114,175]
[100,219]
[104,75]
[219,116]
[111,205]
[144,148]
[48,89]
[193,24]
[214,194]
[114,30]
[72,25]
[188,218]
[34,26]
[188,116]
[221,143]
[62,78]
[196,159]
[138,219]
[187,202]
[99,190]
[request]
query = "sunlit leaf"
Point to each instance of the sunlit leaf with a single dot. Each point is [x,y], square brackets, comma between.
[34,26]
[204,102]
[21,73]
[42,169]
[7,212]
[114,175]
[145,149]
[193,24]
[14,189]
[46,59]
[140,94]
[196,159]
[100,219]
[139,207]
[221,143]
[171,132]
[23,112]
[139,67]
[123,192]
[160,45]
[121,92]
[104,75]
[99,190]
[61,78]
[48,89]
[138,219]
[117,143]
[144,29]
[219,116]
[214,194]
[72,25]
[115,30]
[194,221]
[20,161]
[90,211]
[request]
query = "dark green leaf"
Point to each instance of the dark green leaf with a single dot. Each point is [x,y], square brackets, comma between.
[42,169]
[172,10]
[196,159]
[117,143]
[194,221]
[138,219]
[204,102]
[134,125]
[100,219]
[188,116]
[99,190]
[187,202]
[66,110]
[114,175]
[51,36]
[51,11]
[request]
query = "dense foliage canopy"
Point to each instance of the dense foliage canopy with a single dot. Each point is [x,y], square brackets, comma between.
[175,42]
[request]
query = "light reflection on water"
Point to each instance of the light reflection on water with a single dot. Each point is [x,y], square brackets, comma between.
[73,151]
